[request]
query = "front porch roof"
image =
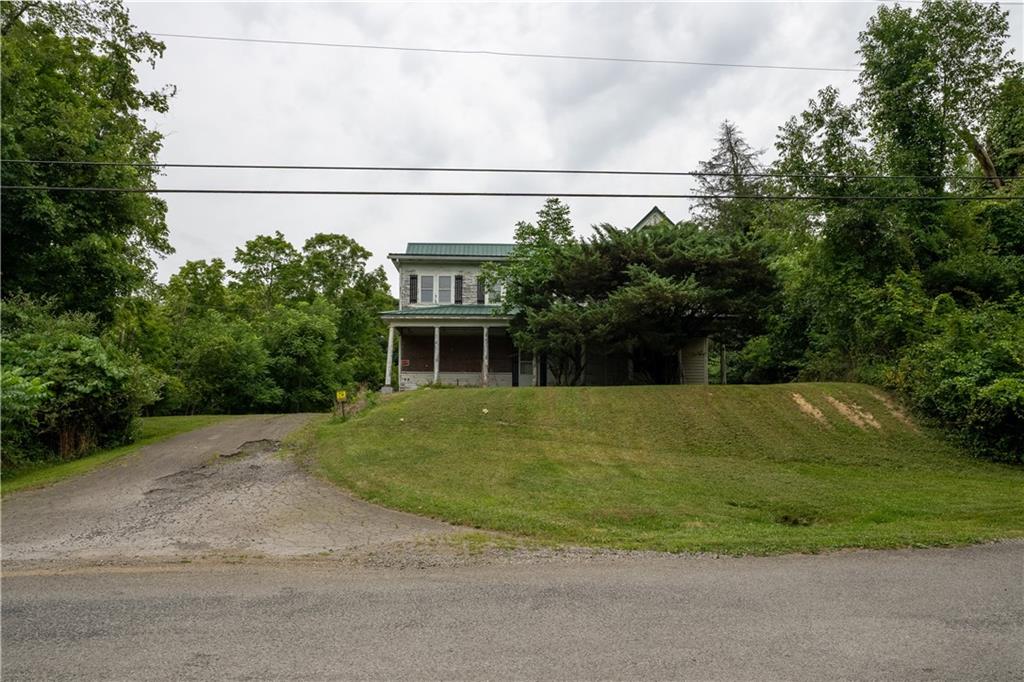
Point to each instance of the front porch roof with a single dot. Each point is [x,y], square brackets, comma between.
[461,312]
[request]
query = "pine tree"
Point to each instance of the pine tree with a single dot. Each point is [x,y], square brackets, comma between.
[729,174]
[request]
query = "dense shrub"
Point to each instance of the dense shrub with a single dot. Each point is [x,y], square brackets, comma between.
[22,397]
[66,391]
[969,376]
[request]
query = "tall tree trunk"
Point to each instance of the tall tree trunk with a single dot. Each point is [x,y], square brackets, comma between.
[984,159]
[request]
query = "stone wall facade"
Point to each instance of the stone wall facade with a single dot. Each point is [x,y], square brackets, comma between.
[470,277]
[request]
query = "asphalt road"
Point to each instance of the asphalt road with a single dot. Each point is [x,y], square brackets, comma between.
[954,614]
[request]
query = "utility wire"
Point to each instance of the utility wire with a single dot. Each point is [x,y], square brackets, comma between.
[498,53]
[430,193]
[556,171]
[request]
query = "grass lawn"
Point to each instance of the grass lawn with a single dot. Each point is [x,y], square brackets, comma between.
[153,429]
[733,469]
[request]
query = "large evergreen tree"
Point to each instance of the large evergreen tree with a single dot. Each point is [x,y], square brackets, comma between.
[732,171]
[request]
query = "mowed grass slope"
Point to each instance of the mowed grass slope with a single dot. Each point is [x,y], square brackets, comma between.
[735,469]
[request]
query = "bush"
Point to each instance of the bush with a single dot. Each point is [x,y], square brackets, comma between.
[66,391]
[970,375]
[22,398]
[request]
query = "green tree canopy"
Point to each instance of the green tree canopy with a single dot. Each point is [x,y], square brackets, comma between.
[70,93]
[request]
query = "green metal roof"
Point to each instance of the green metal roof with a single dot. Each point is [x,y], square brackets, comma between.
[457,249]
[445,311]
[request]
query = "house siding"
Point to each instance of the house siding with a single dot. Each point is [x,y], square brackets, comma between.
[694,359]
[469,274]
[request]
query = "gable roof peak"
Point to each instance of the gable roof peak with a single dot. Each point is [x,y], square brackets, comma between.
[654,217]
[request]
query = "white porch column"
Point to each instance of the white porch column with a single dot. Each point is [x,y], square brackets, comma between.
[391,355]
[399,360]
[437,353]
[483,366]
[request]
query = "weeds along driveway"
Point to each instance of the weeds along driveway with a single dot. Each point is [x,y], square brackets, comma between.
[218,491]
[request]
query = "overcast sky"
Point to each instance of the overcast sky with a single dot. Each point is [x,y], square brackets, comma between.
[259,103]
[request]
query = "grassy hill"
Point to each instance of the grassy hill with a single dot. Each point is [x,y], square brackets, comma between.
[736,469]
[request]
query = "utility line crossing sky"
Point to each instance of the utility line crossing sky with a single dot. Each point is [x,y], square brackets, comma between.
[260,103]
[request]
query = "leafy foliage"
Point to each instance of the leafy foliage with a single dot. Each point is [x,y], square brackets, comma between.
[968,374]
[66,390]
[280,333]
[638,290]
[918,296]
[70,92]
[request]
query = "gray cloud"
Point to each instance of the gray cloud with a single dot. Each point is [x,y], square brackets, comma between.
[287,104]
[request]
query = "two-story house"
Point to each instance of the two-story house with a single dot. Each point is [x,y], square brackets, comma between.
[448,330]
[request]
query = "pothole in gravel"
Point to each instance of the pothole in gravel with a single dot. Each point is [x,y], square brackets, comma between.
[255,447]
[195,477]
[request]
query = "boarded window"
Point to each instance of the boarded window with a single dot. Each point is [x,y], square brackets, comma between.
[444,288]
[458,289]
[480,292]
[413,288]
[427,288]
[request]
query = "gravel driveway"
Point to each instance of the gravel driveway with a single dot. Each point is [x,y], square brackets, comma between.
[223,490]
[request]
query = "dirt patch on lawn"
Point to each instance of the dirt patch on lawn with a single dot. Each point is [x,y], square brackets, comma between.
[808,409]
[854,414]
[894,410]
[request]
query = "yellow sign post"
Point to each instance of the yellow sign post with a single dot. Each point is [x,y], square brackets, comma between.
[339,401]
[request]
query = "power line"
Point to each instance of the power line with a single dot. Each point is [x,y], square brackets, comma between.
[550,171]
[498,53]
[433,193]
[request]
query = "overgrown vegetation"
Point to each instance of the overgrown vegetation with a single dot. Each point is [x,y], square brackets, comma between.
[894,279]
[280,333]
[735,469]
[90,341]
[919,294]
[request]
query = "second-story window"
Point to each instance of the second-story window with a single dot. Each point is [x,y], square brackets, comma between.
[444,288]
[426,288]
